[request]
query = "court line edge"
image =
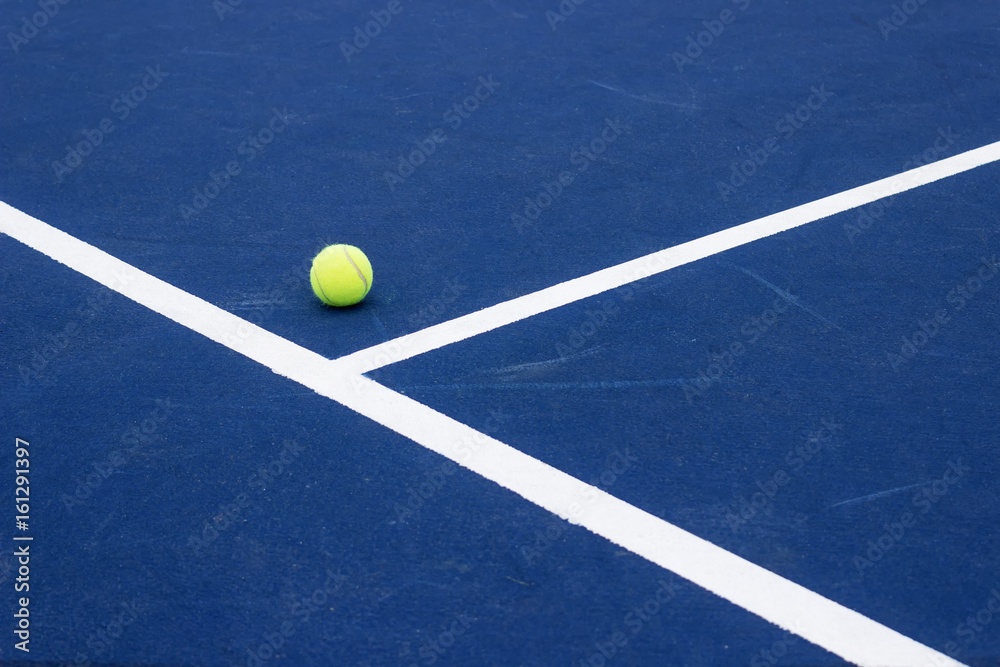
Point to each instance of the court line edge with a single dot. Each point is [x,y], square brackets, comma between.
[561,294]
[840,630]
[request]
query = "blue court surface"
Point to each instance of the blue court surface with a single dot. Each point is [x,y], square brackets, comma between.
[682,345]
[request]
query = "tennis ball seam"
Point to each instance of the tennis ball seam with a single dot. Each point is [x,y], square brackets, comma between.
[356,268]
[319,283]
[331,270]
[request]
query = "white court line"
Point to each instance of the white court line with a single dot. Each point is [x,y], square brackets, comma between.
[817,619]
[511,311]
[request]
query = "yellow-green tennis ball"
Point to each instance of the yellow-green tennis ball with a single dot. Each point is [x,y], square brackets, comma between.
[341,275]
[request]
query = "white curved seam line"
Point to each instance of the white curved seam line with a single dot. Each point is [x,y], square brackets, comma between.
[364,281]
[319,284]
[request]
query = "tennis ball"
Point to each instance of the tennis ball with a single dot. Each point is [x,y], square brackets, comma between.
[341,275]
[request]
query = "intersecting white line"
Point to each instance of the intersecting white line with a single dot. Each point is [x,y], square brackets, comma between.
[817,619]
[508,312]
